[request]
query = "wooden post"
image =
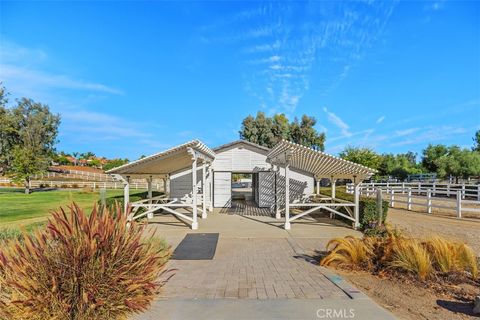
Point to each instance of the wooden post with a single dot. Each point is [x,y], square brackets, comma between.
[448,189]
[379,206]
[278,215]
[463,190]
[459,204]
[126,193]
[419,188]
[403,187]
[149,188]
[429,201]
[204,192]
[194,194]
[356,208]
[287,196]
[318,186]
[478,192]
[409,199]
[434,189]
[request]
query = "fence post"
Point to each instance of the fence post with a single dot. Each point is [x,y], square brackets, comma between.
[429,201]
[392,198]
[379,206]
[419,188]
[136,185]
[409,199]
[94,184]
[448,189]
[403,187]
[459,204]
[463,190]
[434,188]
[478,192]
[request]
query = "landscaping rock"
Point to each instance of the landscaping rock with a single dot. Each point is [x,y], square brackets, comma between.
[476,305]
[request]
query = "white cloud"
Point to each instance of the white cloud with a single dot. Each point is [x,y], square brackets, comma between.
[406,132]
[38,79]
[337,121]
[380,120]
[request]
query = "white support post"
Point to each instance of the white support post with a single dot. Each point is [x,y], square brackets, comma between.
[277,198]
[448,189]
[149,187]
[419,188]
[126,193]
[204,192]
[356,208]
[287,196]
[429,201]
[318,186]
[463,190]
[434,188]
[210,178]
[478,192]
[194,194]
[333,183]
[409,199]
[392,198]
[459,204]
[403,187]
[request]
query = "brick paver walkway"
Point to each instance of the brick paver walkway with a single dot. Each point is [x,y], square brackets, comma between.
[250,268]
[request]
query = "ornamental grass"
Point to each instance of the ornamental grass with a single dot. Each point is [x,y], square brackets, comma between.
[81,267]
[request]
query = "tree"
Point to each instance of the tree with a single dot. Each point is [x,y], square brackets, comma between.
[34,135]
[114,163]
[268,132]
[460,163]
[431,154]
[476,140]
[87,155]
[364,156]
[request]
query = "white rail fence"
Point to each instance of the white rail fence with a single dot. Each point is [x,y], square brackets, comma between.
[459,198]
[66,173]
[90,184]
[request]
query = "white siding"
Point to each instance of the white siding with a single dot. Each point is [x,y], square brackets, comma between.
[240,158]
[301,184]
[181,185]
[266,189]
[222,188]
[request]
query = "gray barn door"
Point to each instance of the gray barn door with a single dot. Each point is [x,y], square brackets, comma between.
[222,189]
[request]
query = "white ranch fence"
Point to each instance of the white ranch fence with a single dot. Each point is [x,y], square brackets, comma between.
[75,174]
[457,198]
[91,184]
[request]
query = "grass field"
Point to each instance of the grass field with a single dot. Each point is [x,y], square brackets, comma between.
[20,210]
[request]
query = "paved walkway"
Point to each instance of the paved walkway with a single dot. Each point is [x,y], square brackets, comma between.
[256,260]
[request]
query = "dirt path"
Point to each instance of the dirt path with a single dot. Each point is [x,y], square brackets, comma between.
[422,225]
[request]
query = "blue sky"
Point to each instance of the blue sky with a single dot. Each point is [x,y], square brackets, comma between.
[132,78]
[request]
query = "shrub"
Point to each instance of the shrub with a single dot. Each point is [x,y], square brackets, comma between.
[367,207]
[81,267]
[347,251]
[409,255]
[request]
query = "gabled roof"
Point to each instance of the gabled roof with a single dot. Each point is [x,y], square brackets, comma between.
[321,164]
[165,162]
[237,142]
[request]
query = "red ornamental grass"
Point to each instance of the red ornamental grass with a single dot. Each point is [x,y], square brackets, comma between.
[81,267]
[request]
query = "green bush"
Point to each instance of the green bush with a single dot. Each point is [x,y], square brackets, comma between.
[367,207]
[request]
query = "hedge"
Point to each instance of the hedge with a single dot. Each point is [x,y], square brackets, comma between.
[367,207]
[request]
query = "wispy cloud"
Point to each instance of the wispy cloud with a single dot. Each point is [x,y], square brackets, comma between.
[279,52]
[405,132]
[38,79]
[25,70]
[380,120]
[337,121]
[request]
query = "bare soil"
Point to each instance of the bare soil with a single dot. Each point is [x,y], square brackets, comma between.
[411,300]
[421,225]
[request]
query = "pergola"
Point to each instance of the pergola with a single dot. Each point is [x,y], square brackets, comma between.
[160,165]
[287,154]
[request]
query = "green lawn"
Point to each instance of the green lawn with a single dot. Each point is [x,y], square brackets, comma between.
[18,209]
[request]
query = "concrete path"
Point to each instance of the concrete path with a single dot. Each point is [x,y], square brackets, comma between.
[260,271]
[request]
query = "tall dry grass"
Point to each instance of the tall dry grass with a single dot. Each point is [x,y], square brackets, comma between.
[81,267]
[409,255]
[347,251]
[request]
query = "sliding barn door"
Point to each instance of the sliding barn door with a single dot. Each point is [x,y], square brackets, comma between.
[222,189]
